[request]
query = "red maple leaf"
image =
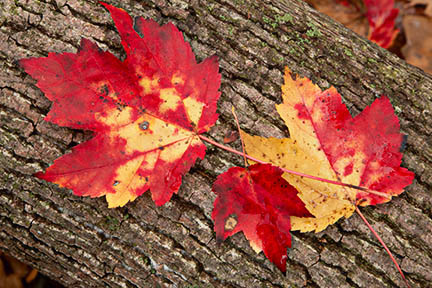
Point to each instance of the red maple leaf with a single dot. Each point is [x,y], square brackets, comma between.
[146,112]
[381,15]
[259,202]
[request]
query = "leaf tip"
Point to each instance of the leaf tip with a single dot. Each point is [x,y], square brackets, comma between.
[40,175]
[106,5]
[288,72]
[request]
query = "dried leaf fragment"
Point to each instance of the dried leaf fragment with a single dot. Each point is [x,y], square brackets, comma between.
[426,3]
[418,49]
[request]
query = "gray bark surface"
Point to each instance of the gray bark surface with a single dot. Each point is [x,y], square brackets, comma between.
[80,243]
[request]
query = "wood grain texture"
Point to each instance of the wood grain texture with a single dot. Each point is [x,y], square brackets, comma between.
[80,243]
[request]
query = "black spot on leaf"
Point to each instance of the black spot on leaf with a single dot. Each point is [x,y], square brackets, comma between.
[144,125]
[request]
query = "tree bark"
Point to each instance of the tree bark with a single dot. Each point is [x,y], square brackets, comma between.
[81,243]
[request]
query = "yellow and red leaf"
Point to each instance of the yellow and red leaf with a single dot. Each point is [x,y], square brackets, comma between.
[146,112]
[325,141]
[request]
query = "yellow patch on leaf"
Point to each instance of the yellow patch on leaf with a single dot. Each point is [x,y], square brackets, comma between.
[177,79]
[126,181]
[149,85]
[193,109]
[171,99]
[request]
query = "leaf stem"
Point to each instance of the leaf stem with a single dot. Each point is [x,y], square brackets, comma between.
[241,137]
[383,244]
[364,189]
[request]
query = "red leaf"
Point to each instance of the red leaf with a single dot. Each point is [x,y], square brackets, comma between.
[259,202]
[146,112]
[381,16]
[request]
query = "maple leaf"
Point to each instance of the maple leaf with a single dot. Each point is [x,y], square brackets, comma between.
[381,17]
[259,202]
[146,112]
[327,142]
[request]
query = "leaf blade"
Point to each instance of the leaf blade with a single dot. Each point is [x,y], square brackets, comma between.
[146,118]
[340,147]
[259,202]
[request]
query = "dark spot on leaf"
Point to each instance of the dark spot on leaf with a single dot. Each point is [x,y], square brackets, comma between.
[116,183]
[136,26]
[161,148]
[104,89]
[120,106]
[144,125]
